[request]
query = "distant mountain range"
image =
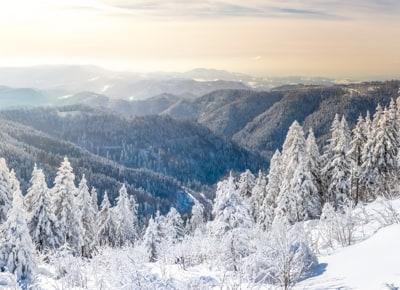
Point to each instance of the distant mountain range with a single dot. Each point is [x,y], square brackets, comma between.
[62,81]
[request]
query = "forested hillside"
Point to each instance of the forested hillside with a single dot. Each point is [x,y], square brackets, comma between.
[266,230]
[258,120]
[24,146]
[183,149]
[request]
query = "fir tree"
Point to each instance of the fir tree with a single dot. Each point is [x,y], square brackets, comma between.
[88,219]
[386,151]
[267,210]
[357,143]
[43,225]
[93,194]
[106,225]
[314,159]
[38,187]
[174,227]
[152,239]
[15,185]
[340,167]
[67,209]
[16,248]
[126,222]
[230,211]
[327,156]
[298,197]
[197,218]
[245,184]
[258,194]
[5,190]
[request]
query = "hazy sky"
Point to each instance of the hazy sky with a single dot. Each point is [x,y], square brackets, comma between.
[342,38]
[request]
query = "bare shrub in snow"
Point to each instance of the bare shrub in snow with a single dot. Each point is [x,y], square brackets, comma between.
[283,256]
[338,227]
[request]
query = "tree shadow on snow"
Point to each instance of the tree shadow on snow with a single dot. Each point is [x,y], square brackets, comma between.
[317,270]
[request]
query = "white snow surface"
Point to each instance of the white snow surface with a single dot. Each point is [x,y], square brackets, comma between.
[371,264]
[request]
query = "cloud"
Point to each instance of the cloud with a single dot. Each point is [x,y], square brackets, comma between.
[318,9]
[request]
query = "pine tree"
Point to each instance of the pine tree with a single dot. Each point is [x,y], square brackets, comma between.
[5,190]
[174,227]
[152,239]
[298,197]
[368,170]
[386,151]
[88,219]
[258,194]
[134,209]
[245,184]
[197,218]
[16,247]
[93,194]
[106,225]
[43,225]
[357,143]
[340,167]
[126,222]
[314,159]
[38,187]
[308,203]
[230,211]
[15,185]
[267,211]
[67,209]
[327,156]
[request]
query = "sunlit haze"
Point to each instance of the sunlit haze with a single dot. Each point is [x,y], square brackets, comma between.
[334,38]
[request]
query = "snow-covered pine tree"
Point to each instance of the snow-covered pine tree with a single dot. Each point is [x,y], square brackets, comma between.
[314,159]
[37,187]
[105,224]
[5,190]
[340,167]
[88,219]
[134,209]
[377,116]
[386,151]
[174,227]
[298,197]
[327,156]
[126,222]
[152,239]
[230,211]
[67,209]
[358,141]
[43,225]
[308,203]
[258,194]
[15,185]
[245,184]
[368,170]
[93,194]
[267,210]
[197,218]
[16,247]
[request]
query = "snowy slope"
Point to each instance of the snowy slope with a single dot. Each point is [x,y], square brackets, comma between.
[371,264]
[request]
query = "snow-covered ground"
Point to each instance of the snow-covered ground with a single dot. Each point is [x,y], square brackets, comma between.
[371,264]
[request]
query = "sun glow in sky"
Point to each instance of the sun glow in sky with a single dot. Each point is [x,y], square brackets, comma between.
[338,38]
